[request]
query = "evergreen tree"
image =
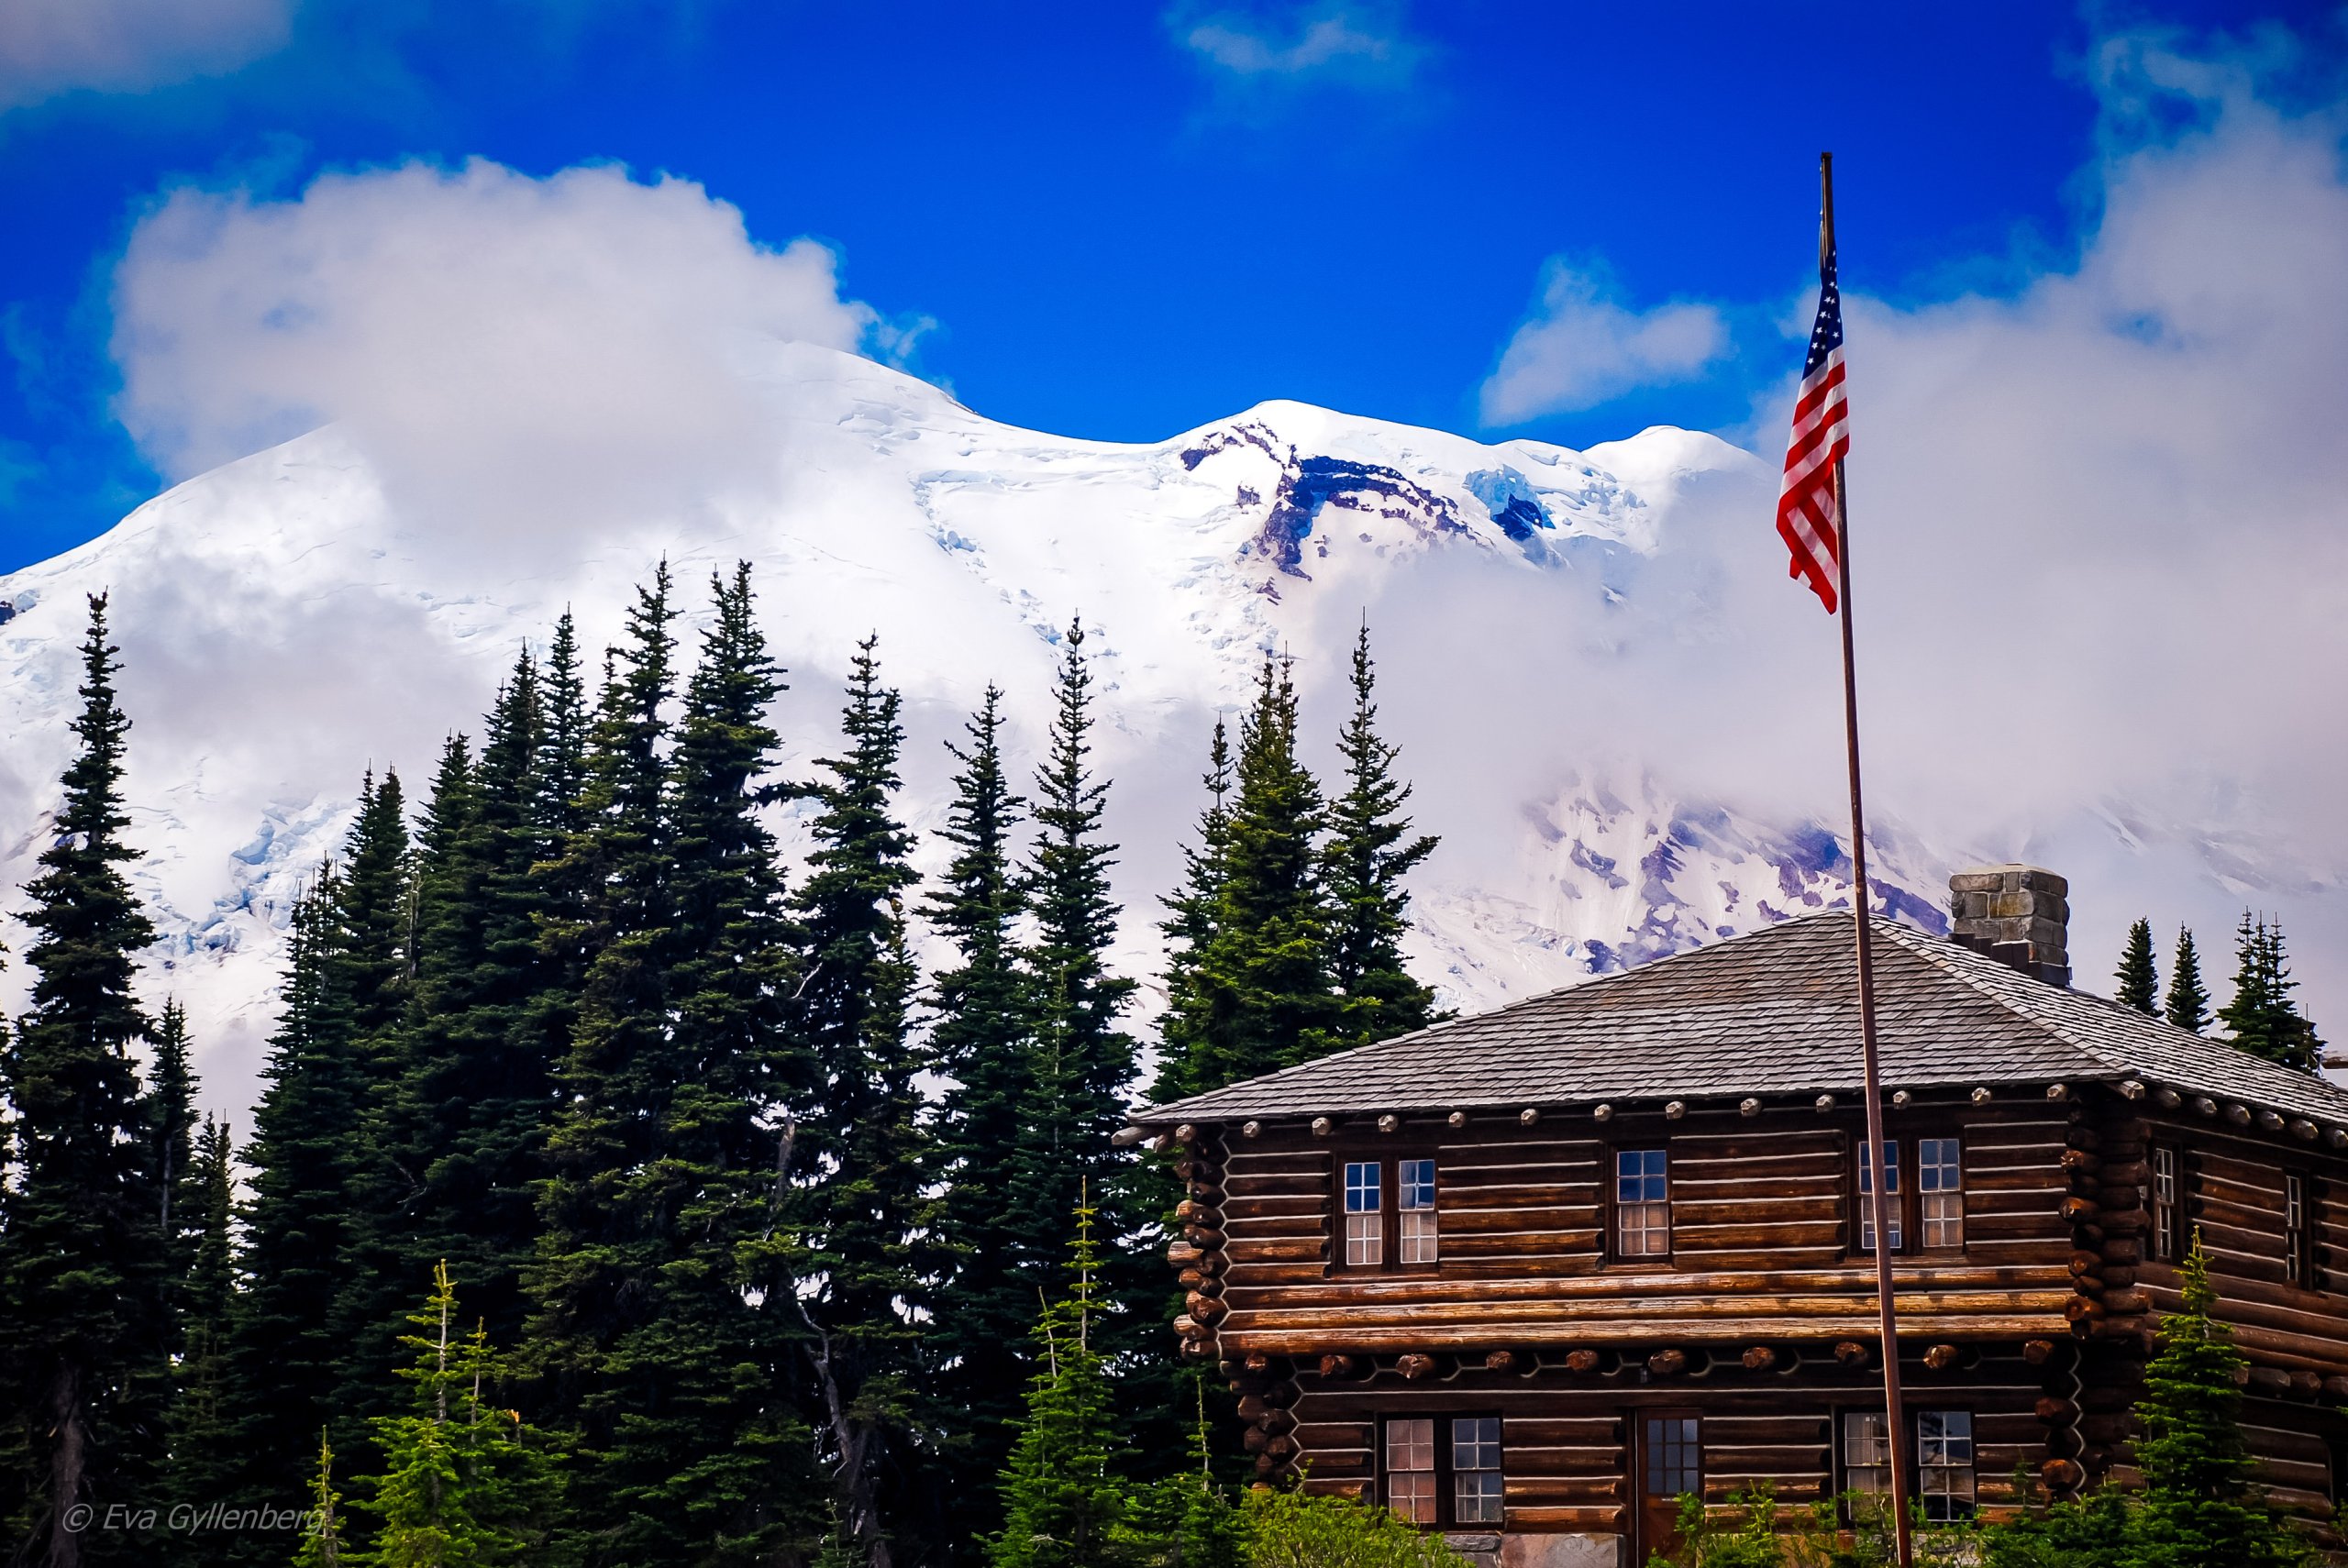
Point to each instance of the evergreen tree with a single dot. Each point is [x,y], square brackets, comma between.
[2188,1002]
[862,1215]
[464,1486]
[1083,1063]
[560,774]
[83,1318]
[468,1118]
[201,1465]
[649,1277]
[170,1098]
[1256,996]
[2140,986]
[2263,1019]
[1369,852]
[2197,1509]
[322,1531]
[1062,1498]
[1193,913]
[286,1352]
[981,1043]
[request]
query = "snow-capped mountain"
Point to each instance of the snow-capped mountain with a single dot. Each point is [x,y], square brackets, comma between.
[288,621]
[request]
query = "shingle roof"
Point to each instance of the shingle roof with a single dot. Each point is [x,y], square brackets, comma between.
[1772,1013]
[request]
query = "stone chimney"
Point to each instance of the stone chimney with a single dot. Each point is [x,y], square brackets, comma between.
[2020,915]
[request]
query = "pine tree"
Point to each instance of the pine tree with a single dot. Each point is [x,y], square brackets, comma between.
[657,1322]
[981,1041]
[464,1486]
[2140,986]
[1083,1063]
[470,1114]
[2197,1509]
[1369,853]
[1062,1497]
[201,1466]
[862,1214]
[322,1529]
[287,1351]
[84,1316]
[2188,1002]
[2263,1019]
[170,1098]
[1257,996]
[1193,913]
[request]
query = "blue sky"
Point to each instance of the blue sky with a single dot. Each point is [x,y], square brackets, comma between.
[1119,221]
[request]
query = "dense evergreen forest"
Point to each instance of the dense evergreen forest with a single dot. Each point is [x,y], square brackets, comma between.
[621,1193]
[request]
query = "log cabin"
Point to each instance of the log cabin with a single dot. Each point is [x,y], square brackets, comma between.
[1526,1278]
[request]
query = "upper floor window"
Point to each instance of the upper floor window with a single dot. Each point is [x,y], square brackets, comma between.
[1929,1214]
[2167,1206]
[1414,1199]
[1365,1215]
[2299,1232]
[1642,1203]
[1389,1213]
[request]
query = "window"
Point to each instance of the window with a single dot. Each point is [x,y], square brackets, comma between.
[1945,1464]
[2165,1206]
[1365,1215]
[1641,1204]
[1939,1189]
[1930,1214]
[1675,1456]
[1430,1460]
[2299,1232]
[1890,1196]
[1414,1197]
[1476,1470]
[1943,1460]
[1380,1233]
[1866,1457]
[1410,1469]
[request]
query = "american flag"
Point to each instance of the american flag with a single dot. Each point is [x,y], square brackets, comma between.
[1806,516]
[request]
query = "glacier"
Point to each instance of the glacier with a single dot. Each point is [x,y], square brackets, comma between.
[1541,617]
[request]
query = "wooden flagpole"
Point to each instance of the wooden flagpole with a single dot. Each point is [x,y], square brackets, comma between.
[1894,1406]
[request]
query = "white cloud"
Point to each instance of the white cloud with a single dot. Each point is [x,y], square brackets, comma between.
[1361,43]
[51,47]
[1581,347]
[542,354]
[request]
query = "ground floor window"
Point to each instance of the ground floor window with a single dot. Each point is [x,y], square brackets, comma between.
[1944,1452]
[1444,1470]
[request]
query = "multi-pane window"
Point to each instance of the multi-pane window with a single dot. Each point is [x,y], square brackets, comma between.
[1414,1198]
[1365,1215]
[2298,1232]
[1675,1456]
[1866,1454]
[1945,1464]
[1476,1493]
[1944,1478]
[2165,1227]
[1939,1191]
[1890,1196]
[1410,1469]
[1642,1203]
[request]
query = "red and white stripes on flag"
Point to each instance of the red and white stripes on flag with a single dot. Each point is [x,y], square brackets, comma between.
[1806,518]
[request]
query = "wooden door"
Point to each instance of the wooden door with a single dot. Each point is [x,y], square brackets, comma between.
[1668,1459]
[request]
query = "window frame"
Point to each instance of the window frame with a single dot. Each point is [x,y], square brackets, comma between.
[1913,1436]
[1907,1203]
[1612,1252]
[2302,1245]
[1388,1162]
[1446,1472]
[2166,1232]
